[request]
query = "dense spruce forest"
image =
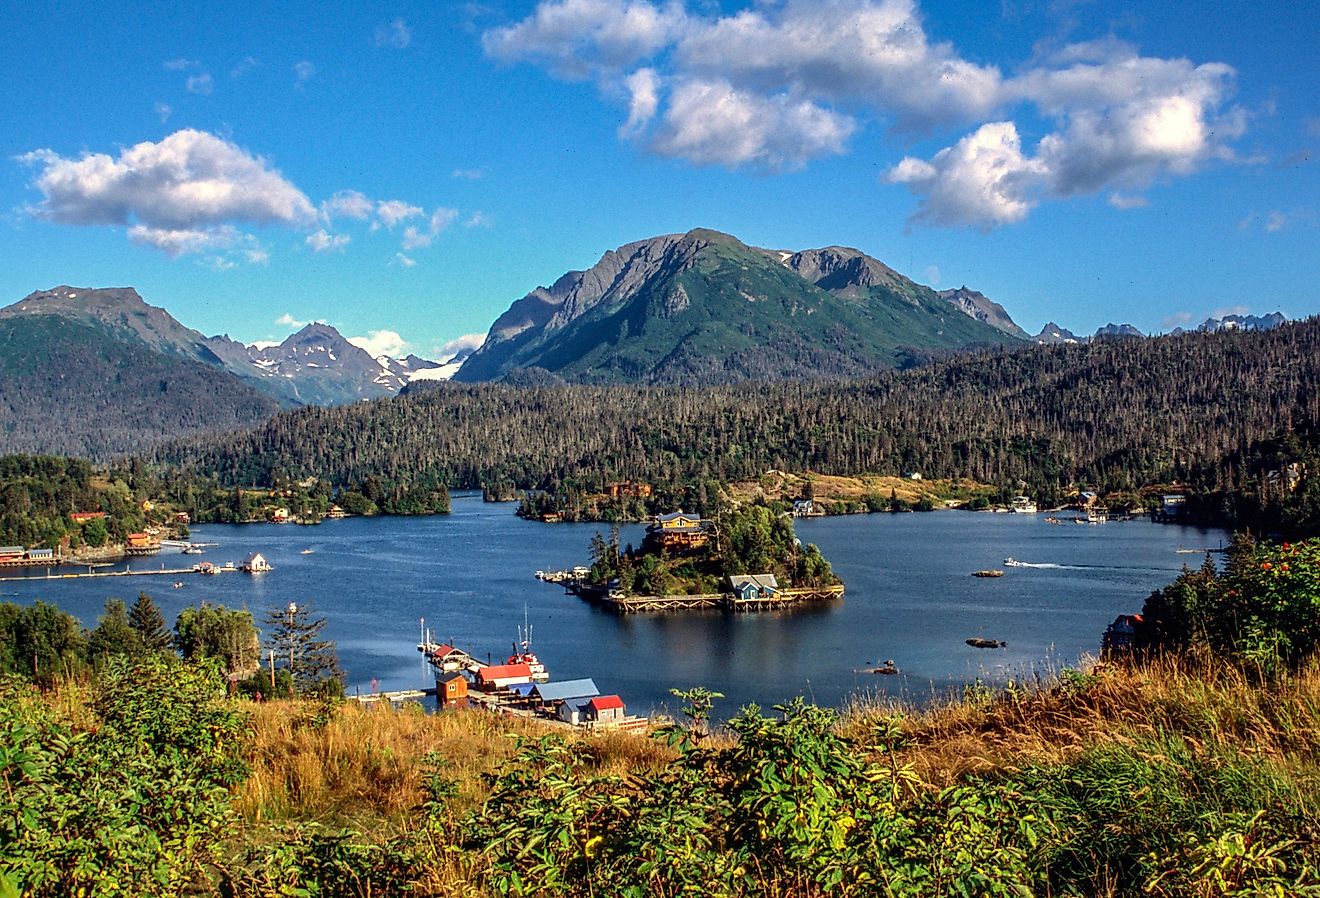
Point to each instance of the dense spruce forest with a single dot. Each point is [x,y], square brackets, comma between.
[1224,414]
[71,388]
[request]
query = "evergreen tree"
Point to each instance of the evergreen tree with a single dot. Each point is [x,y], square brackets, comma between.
[294,636]
[213,631]
[114,634]
[149,624]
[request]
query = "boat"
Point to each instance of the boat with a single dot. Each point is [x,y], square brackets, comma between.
[1013,562]
[1097,516]
[307,551]
[979,643]
[993,572]
[178,584]
[193,550]
[523,654]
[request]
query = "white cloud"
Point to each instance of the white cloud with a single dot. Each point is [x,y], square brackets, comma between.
[391,212]
[348,204]
[185,194]
[1231,310]
[1276,222]
[404,261]
[178,65]
[575,38]
[470,174]
[287,320]
[781,82]
[478,219]
[1177,319]
[200,84]
[414,237]
[382,342]
[303,71]
[711,122]
[932,275]
[322,241]
[396,34]
[465,343]
[644,99]
[983,180]
[164,111]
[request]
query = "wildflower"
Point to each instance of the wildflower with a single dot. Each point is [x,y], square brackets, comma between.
[590,847]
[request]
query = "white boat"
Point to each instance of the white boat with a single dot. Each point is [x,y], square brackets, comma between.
[523,654]
[1013,562]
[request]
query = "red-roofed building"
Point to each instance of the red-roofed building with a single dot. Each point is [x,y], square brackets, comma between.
[604,709]
[1122,633]
[501,676]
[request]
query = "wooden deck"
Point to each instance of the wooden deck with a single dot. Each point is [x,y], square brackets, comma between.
[795,597]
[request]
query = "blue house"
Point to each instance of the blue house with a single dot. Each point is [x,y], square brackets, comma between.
[747,587]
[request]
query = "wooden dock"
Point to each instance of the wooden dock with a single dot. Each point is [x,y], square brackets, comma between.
[792,597]
[171,572]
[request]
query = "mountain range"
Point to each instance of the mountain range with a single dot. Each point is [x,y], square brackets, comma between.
[703,307]
[100,372]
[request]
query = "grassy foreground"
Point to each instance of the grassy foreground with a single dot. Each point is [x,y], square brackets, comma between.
[1175,778]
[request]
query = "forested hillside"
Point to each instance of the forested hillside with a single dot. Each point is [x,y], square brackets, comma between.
[1222,412]
[71,388]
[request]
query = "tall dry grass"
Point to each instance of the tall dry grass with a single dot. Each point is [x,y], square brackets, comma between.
[366,763]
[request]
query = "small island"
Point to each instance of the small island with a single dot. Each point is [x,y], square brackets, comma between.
[747,558]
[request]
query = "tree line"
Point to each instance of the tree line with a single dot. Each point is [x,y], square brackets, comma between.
[1222,414]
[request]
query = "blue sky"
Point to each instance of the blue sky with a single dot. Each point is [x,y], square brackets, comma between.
[408,170]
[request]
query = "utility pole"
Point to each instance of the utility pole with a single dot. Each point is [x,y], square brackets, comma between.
[293,609]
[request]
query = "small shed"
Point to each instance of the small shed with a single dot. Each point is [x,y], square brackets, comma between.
[604,709]
[573,710]
[552,693]
[501,676]
[452,690]
[256,563]
[747,587]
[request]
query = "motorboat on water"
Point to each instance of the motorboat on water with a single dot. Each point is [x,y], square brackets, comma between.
[1013,562]
[523,654]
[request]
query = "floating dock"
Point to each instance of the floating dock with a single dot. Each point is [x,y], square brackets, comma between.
[172,572]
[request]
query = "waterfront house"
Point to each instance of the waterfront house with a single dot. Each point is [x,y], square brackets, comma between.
[1172,505]
[747,587]
[448,658]
[255,563]
[604,710]
[1086,499]
[41,554]
[805,508]
[9,553]
[678,530]
[550,694]
[141,544]
[501,676]
[452,690]
[1120,636]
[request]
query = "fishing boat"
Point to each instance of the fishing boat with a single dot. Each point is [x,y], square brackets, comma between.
[992,572]
[1013,562]
[523,654]
[979,643]
[307,551]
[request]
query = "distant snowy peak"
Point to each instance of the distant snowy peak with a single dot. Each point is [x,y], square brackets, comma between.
[1241,323]
[1051,334]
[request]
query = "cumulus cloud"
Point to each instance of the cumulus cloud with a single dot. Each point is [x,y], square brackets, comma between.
[303,72]
[983,180]
[188,180]
[777,84]
[180,64]
[287,320]
[478,219]
[712,122]
[243,66]
[396,34]
[459,345]
[323,242]
[164,111]
[575,38]
[382,342]
[391,212]
[404,261]
[348,204]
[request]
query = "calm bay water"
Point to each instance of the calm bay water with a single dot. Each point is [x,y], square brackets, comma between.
[910,598]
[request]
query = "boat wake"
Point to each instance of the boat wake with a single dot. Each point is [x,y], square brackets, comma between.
[1048,566]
